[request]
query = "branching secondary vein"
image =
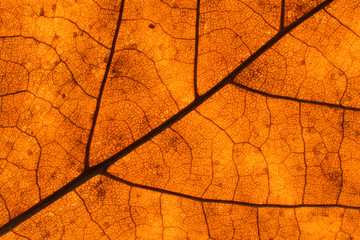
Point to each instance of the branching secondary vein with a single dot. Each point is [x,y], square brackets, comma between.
[90,172]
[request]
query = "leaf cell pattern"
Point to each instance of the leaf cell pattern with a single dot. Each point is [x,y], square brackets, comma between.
[163,119]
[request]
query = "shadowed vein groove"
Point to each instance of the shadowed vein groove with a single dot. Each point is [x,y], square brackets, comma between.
[101,167]
[330,105]
[209,200]
[102,87]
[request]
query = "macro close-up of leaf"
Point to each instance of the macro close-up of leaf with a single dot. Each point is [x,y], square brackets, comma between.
[169,119]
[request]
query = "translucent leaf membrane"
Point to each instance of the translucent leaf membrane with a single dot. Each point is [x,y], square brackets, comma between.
[317,61]
[142,90]
[105,209]
[272,155]
[229,32]
[294,9]
[51,64]
[247,147]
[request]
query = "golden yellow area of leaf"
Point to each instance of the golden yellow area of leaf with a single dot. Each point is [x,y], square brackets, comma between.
[192,119]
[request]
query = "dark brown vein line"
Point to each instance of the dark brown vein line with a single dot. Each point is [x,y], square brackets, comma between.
[196,49]
[342,24]
[101,167]
[197,102]
[102,87]
[269,95]
[209,200]
[82,178]
[56,52]
[206,221]
[282,15]
[258,223]
[13,93]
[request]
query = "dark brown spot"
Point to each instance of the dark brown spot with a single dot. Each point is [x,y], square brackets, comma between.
[29,152]
[152,26]
[98,183]
[55,38]
[53,7]
[63,95]
[42,11]
[101,193]
[8,145]
[334,176]
[46,234]
[332,76]
[75,34]
[299,8]
[281,213]
[53,175]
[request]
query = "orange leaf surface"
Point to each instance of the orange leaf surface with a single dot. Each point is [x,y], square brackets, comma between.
[186,119]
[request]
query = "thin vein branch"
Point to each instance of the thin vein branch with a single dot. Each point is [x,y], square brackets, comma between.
[102,87]
[101,167]
[209,200]
[282,15]
[269,95]
[196,49]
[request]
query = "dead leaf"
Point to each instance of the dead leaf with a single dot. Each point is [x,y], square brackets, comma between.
[179,119]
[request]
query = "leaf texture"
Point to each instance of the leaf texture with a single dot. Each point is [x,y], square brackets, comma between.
[179,119]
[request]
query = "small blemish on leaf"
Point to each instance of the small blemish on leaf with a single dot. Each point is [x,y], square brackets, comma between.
[53,175]
[332,76]
[98,183]
[46,234]
[152,26]
[334,176]
[281,213]
[29,152]
[42,11]
[55,38]
[101,193]
[75,34]
[325,214]
[8,145]
[53,7]
[63,95]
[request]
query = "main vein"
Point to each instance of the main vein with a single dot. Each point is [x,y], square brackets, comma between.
[90,172]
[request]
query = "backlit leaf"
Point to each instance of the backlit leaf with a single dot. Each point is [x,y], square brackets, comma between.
[159,119]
